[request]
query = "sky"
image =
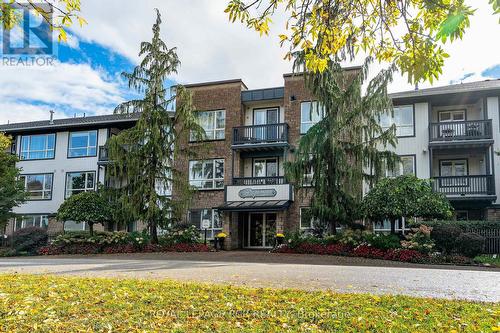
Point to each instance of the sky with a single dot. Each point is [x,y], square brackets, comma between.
[86,75]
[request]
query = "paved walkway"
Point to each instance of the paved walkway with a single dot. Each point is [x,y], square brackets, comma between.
[260,269]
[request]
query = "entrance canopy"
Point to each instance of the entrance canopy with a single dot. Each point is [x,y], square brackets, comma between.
[247,206]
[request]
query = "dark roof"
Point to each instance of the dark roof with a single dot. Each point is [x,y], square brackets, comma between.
[262,94]
[213,83]
[70,122]
[478,86]
[247,206]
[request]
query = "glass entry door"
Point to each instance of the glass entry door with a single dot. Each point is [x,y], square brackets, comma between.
[261,230]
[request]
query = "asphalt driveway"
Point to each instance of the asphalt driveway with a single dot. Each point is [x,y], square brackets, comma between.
[260,269]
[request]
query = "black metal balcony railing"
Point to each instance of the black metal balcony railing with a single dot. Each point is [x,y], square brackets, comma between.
[103,154]
[269,133]
[277,180]
[465,185]
[461,130]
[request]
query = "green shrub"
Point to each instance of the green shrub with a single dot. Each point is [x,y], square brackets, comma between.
[100,238]
[139,239]
[29,239]
[445,236]
[470,244]
[464,225]
[384,242]
[419,239]
[353,237]
[7,252]
[181,234]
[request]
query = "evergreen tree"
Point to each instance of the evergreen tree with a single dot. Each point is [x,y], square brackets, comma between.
[12,191]
[345,148]
[143,156]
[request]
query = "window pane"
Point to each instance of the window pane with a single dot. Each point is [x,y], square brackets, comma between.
[408,165]
[219,168]
[305,111]
[51,141]
[217,220]
[38,142]
[221,119]
[403,115]
[195,218]
[208,169]
[90,180]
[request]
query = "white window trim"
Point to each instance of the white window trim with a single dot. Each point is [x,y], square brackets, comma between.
[311,223]
[214,180]
[23,224]
[43,190]
[311,108]
[45,151]
[69,192]
[88,147]
[215,129]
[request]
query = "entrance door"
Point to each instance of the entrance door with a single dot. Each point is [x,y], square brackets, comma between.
[261,230]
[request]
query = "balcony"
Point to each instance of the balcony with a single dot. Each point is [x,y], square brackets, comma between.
[259,181]
[460,130]
[260,135]
[465,186]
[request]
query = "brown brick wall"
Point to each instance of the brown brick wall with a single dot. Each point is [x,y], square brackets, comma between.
[214,97]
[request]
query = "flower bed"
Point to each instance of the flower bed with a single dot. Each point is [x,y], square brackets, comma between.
[417,247]
[119,248]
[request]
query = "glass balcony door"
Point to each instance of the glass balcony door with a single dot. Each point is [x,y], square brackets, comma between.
[266,117]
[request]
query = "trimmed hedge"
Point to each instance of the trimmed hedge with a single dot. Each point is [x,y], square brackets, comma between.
[464,225]
[29,239]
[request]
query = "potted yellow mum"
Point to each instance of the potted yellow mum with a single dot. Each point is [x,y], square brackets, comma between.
[278,240]
[219,241]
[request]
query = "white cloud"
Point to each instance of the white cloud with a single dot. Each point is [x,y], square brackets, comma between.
[29,92]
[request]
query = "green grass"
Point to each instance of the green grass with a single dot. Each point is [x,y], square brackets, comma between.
[64,304]
[488,259]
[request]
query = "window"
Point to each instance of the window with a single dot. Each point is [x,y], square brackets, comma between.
[265,167]
[82,144]
[39,187]
[454,171]
[307,222]
[37,147]
[402,118]
[214,124]
[453,168]
[214,218]
[207,174]
[77,182]
[73,226]
[406,166]
[310,114]
[452,115]
[40,221]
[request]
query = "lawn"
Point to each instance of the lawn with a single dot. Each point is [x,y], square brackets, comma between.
[65,304]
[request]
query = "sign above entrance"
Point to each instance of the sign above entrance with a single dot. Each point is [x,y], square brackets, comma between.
[277,192]
[257,193]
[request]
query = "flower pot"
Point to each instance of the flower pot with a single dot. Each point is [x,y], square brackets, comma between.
[219,243]
[278,241]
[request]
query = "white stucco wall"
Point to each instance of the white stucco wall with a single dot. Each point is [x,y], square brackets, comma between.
[59,166]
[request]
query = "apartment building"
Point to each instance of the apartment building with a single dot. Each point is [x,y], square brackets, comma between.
[450,134]
[59,158]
